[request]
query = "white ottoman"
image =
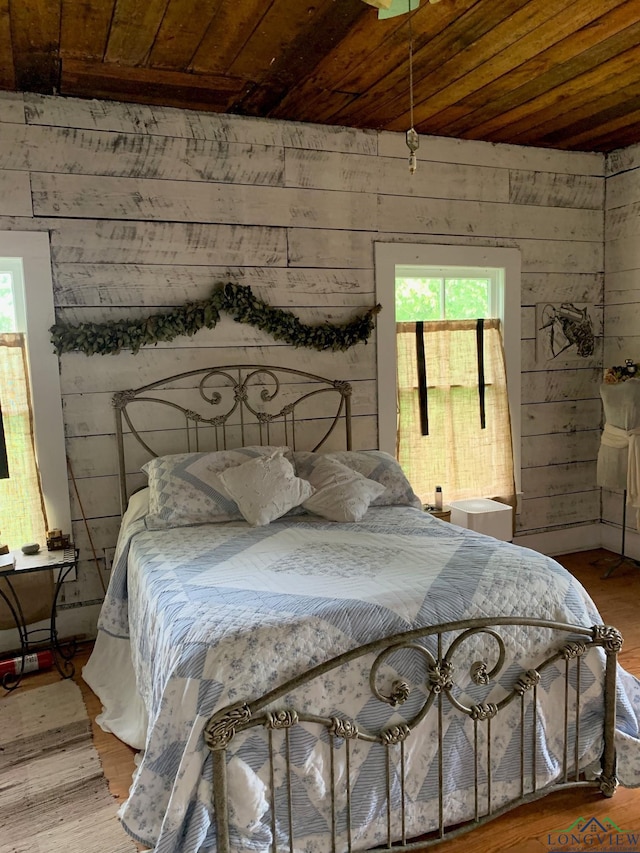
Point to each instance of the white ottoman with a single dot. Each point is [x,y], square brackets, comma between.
[484,516]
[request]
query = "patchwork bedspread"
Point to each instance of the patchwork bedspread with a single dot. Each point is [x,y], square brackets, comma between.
[221,613]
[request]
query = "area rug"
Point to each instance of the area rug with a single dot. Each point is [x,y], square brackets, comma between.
[53,795]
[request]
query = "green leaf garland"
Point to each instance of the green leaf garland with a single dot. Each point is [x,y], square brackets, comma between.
[237,300]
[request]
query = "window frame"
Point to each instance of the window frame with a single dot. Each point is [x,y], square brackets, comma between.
[35,315]
[390,258]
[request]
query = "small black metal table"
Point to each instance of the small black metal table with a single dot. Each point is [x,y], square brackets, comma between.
[62,563]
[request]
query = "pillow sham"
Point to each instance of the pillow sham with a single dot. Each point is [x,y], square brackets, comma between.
[265,488]
[374,465]
[185,488]
[341,493]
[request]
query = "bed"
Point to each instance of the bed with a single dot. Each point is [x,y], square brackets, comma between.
[309,661]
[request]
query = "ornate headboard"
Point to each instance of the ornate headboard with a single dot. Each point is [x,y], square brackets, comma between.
[216,408]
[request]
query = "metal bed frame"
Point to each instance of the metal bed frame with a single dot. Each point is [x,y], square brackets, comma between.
[259,410]
[225,725]
[267,398]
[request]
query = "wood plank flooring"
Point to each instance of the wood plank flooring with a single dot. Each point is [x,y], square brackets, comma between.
[526,829]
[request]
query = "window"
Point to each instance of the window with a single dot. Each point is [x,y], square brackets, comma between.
[22,508]
[447,293]
[435,282]
[12,310]
[26,306]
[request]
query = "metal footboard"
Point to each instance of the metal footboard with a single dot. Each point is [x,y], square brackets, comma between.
[438,649]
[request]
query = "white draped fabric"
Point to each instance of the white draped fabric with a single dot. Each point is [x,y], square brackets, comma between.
[619,455]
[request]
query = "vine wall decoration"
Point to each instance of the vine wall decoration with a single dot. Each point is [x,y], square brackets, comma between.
[237,300]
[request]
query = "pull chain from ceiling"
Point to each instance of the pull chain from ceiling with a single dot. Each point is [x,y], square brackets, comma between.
[413,140]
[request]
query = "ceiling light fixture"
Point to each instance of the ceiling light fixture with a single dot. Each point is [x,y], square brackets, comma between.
[389,9]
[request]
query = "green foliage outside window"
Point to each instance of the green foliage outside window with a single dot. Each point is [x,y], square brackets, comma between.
[7,317]
[418,299]
[441,299]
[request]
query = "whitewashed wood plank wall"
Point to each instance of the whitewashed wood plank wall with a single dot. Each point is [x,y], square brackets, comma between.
[622,292]
[147,207]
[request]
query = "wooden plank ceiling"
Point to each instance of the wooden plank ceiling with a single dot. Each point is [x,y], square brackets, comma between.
[553,73]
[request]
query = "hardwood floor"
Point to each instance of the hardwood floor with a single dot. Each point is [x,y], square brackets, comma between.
[526,829]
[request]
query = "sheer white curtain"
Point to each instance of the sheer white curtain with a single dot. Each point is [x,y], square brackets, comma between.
[454,429]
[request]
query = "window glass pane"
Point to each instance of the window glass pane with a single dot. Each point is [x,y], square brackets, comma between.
[418,299]
[466,298]
[7,308]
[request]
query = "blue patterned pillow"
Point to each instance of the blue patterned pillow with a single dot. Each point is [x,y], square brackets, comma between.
[374,465]
[185,488]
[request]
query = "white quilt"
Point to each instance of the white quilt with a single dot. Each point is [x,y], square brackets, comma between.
[221,613]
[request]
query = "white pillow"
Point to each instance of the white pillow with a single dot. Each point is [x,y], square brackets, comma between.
[185,488]
[265,488]
[342,494]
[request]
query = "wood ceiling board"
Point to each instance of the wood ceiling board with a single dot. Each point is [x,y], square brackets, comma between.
[551,105]
[607,134]
[373,46]
[561,63]
[311,44]
[374,53]
[580,51]
[495,70]
[35,35]
[184,26]
[308,109]
[7,74]
[461,33]
[572,73]
[133,31]
[370,48]
[594,105]
[144,85]
[279,32]
[227,35]
[598,113]
[494,55]
[85,28]
[338,100]
[504,67]
[617,139]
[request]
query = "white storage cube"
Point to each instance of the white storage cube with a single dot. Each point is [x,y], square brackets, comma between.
[484,516]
